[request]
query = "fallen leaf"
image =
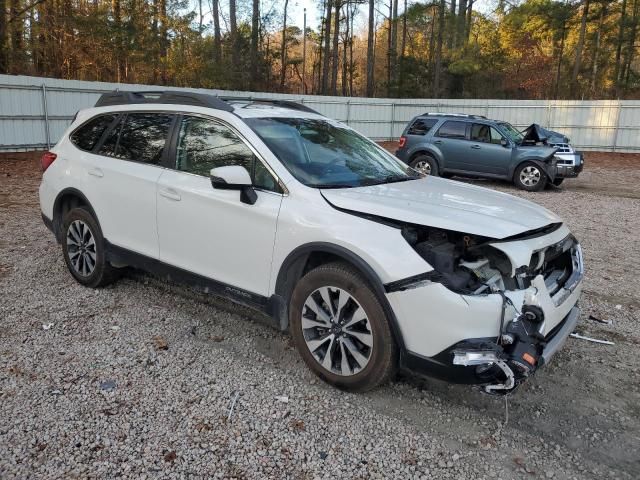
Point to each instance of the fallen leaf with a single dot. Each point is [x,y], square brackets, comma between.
[160,343]
[170,456]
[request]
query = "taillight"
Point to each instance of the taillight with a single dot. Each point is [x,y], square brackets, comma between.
[47,159]
[402,141]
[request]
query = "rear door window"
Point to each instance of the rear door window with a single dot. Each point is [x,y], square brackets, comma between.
[421,126]
[453,129]
[140,137]
[87,136]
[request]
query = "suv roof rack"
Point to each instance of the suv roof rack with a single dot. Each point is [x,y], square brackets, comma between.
[464,115]
[269,101]
[122,97]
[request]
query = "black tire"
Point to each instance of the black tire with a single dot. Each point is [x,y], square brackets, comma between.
[558,181]
[425,163]
[529,185]
[102,273]
[382,356]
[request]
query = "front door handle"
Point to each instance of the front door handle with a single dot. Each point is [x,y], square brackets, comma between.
[96,172]
[475,147]
[170,194]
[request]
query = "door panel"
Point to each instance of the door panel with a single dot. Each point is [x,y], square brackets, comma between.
[122,179]
[450,140]
[485,152]
[210,232]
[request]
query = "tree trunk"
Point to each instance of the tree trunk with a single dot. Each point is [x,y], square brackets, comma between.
[217,41]
[461,37]
[233,33]
[393,57]
[578,61]
[469,20]
[117,25]
[334,53]
[438,66]
[451,38]
[351,65]
[3,37]
[255,26]
[164,28]
[389,46]
[283,47]
[15,63]
[631,45]
[403,47]
[596,49]
[344,52]
[324,85]
[557,86]
[370,56]
[616,74]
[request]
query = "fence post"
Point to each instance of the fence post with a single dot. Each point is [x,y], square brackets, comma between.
[46,116]
[615,135]
[348,112]
[393,118]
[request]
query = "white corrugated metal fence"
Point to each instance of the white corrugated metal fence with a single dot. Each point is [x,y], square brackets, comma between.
[34,112]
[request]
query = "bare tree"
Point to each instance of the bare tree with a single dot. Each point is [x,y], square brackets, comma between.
[438,62]
[255,27]
[283,46]
[596,47]
[370,46]
[217,42]
[324,85]
[578,60]
[616,75]
[233,33]
[334,54]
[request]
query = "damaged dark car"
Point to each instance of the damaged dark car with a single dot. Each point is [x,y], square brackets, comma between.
[445,144]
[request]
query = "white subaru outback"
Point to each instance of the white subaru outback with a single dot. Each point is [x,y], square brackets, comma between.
[369,265]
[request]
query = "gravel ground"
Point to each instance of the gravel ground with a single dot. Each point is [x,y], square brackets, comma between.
[149,379]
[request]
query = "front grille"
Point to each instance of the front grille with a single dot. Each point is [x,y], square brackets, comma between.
[562,147]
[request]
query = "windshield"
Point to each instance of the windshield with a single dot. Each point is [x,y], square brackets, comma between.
[323,154]
[513,134]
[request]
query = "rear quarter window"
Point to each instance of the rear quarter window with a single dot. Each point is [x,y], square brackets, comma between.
[453,129]
[421,126]
[86,137]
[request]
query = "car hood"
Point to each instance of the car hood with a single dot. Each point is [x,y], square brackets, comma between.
[534,133]
[445,204]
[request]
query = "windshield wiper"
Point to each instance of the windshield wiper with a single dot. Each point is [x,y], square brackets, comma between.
[331,185]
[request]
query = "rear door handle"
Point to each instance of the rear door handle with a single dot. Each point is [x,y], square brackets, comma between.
[438,142]
[170,194]
[96,172]
[475,147]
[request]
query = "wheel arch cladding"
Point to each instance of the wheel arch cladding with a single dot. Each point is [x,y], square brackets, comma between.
[306,257]
[66,200]
[425,151]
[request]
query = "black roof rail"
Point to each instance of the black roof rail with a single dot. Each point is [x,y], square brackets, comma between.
[122,97]
[269,101]
[462,115]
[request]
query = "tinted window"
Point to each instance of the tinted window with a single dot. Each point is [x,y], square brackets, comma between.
[480,133]
[421,126]
[205,144]
[452,129]
[143,137]
[86,137]
[110,143]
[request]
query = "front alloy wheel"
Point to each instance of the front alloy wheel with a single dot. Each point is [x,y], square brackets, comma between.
[530,177]
[340,328]
[336,331]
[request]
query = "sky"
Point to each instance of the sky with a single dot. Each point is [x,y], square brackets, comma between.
[296,10]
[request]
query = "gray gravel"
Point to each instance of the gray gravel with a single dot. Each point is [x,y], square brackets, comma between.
[138,379]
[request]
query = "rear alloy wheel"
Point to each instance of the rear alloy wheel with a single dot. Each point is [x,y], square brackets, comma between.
[425,164]
[340,328]
[83,249]
[530,177]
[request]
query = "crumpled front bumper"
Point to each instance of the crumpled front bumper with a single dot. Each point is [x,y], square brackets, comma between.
[458,337]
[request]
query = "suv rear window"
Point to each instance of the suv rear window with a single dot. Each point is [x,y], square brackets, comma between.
[421,126]
[453,129]
[86,137]
[141,138]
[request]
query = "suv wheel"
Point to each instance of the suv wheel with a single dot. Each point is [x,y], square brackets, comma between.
[340,328]
[530,177]
[425,164]
[83,249]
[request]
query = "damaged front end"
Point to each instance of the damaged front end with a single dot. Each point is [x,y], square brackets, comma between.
[537,279]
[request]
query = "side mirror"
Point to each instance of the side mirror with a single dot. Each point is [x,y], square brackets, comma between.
[234,177]
[504,142]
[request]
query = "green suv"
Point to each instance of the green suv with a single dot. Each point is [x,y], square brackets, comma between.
[448,144]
